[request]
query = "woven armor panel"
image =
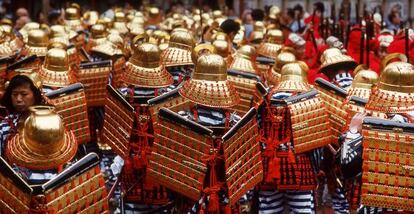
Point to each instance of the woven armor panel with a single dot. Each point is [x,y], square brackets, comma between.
[70,104]
[15,194]
[176,160]
[249,96]
[85,193]
[242,161]
[334,99]
[118,123]
[310,124]
[94,76]
[388,164]
[117,71]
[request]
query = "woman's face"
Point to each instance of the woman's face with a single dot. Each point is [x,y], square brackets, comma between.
[22,98]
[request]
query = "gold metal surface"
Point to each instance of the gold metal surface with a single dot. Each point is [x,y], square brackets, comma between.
[43,142]
[209,85]
[144,68]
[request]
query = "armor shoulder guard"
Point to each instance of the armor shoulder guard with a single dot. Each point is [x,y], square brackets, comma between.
[309,121]
[242,157]
[70,103]
[387,164]
[245,84]
[22,62]
[334,98]
[177,158]
[94,76]
[15,193]
[118,122]
[79,188]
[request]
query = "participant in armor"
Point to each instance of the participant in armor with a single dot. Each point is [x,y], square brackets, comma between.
[23,91]
[36,44]
[393,81]
[282,186]
[336,66]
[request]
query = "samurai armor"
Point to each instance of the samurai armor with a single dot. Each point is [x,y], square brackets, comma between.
[245,84]
[70,103]
[334,98]
[310,126]
[264,64]
[242,157]
[78,189]
[15,193]
[118,123]
[176,160]
[94,76]
[27,62]
[171,100]
[183,151]
[387,170]
[117,71]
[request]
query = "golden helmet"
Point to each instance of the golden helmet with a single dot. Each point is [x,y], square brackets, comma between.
[364,77]
[43,142]
[58,31]
[245,60]
[294,77]
[119,23]
[113,46]
[154,12]
[393,57]
[333,59]
[202,49]
[72,13]
[37,42]
[55,70]
[209,85]
[364,80]
[98,31]
[394,92]
[179,49]
[222,47]
[273,75]
[91,17]
[274,12]
[144,68]
[274,36]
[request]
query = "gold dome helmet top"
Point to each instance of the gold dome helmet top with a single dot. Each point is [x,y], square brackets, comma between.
[394,92]
[245,60]
[202,49]
[209,85]
[43,142]
[55,70]
[364,80]
[37,42]
[179,49]
[294,77]
[144,68]
[333,59]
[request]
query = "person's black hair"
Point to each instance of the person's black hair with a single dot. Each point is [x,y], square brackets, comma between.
[291,13]
[230,26]
[53,16]
[298,7]
[17,81]
[258,15]
[319,6]
[391,16]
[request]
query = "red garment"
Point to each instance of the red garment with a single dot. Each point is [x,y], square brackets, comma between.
[316,22]
[354,43]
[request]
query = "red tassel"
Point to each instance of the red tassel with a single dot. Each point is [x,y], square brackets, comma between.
[227,210]
[201,211]
[213,203]
[273,170]
[291,157]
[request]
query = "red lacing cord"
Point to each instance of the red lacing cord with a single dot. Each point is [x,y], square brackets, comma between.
[214,185]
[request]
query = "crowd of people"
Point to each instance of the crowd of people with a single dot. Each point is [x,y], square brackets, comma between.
[137,110]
